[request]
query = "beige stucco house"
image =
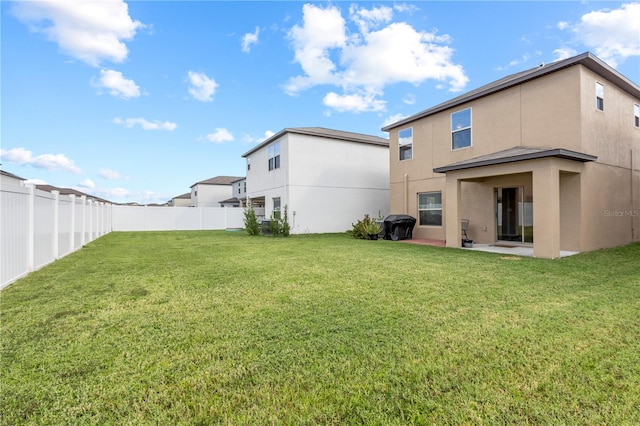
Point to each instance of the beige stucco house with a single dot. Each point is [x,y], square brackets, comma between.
[548,157]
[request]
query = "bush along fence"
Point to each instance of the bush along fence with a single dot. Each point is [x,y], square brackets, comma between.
[38,227]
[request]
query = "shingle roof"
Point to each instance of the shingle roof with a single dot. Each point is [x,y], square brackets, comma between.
[325,133]
[520,153]
[11,175]
[587,59]
[69,191]
[185,195]
[218,180]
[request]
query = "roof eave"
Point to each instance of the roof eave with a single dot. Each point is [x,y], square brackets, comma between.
[587,59]
[559,153]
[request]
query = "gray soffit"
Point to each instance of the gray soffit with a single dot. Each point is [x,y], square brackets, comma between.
[323,133]
[515,154]
[586,59]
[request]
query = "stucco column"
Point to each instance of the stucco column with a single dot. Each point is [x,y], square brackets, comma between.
[453,233]
[546,210]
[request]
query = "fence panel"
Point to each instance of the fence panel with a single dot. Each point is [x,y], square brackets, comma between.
[143,218]
[14,235]
[38,227]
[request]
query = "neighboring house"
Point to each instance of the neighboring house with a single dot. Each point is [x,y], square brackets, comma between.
[183,200]
[239,194]
[71,191]
[548,157]
[211,192]
[10,178]
[328,179]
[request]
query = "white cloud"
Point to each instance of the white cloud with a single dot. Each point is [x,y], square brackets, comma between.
[117,85]
[109,174]
[221,135]
[250,39]
[329,55]
[322,29]
[393,119]
[353,102]
[91,31]
[36,182]
[202,87]
[611,34]
[87,184]
[252,139]
[366,18]
[409,99]
[564,53]
[45,161]
[145,124]
[562,25]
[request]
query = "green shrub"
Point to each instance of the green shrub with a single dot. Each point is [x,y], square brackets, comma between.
[364,228]
[279,225]
[251,224]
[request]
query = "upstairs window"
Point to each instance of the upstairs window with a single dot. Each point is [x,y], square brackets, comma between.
[274,156]
[405,144]
[599,97]
[636,114]
[248,163]
[461,129]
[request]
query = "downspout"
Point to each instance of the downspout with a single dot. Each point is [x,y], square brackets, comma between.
[406,193]
[634,211]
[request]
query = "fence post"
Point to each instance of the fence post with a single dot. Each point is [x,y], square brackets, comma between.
[30,228]
[90,208]
[72,236]
[226,217]
[83,199]
[56,224]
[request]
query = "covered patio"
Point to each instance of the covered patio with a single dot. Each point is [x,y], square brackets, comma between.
[548,184]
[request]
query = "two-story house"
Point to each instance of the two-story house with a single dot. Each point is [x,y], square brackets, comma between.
[211,192]
[328,179]
[548,157]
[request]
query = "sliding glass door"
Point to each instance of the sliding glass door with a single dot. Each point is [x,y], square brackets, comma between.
[514,214]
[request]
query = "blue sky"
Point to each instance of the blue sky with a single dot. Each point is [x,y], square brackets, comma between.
[137,101]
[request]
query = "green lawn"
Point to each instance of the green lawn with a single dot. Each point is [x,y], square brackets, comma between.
[188,328]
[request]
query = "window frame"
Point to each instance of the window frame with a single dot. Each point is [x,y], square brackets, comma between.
[636,115]
[599,96]
[404,147]
[274,155]
[460,130]
[429,209]
[276,211]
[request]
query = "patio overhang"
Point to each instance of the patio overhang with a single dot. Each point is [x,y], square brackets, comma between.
[513,155]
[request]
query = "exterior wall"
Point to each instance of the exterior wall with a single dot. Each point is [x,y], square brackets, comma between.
[180,202]
[326,184]
[611,200]
[209,195]
[238,190]
[334,183]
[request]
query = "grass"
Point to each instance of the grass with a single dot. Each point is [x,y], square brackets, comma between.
[188,328]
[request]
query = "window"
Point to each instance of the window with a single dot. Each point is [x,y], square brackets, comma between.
[244,186]
[461,129]
[430,208]
[274,156]
[276,207]
[599,97]
[636,113]
[405,143]
[248,163]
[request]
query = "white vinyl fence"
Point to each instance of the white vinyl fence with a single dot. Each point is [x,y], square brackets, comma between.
[156,218]
[38,227]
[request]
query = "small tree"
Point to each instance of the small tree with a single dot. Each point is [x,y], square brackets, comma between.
[286,228]
[251,224]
